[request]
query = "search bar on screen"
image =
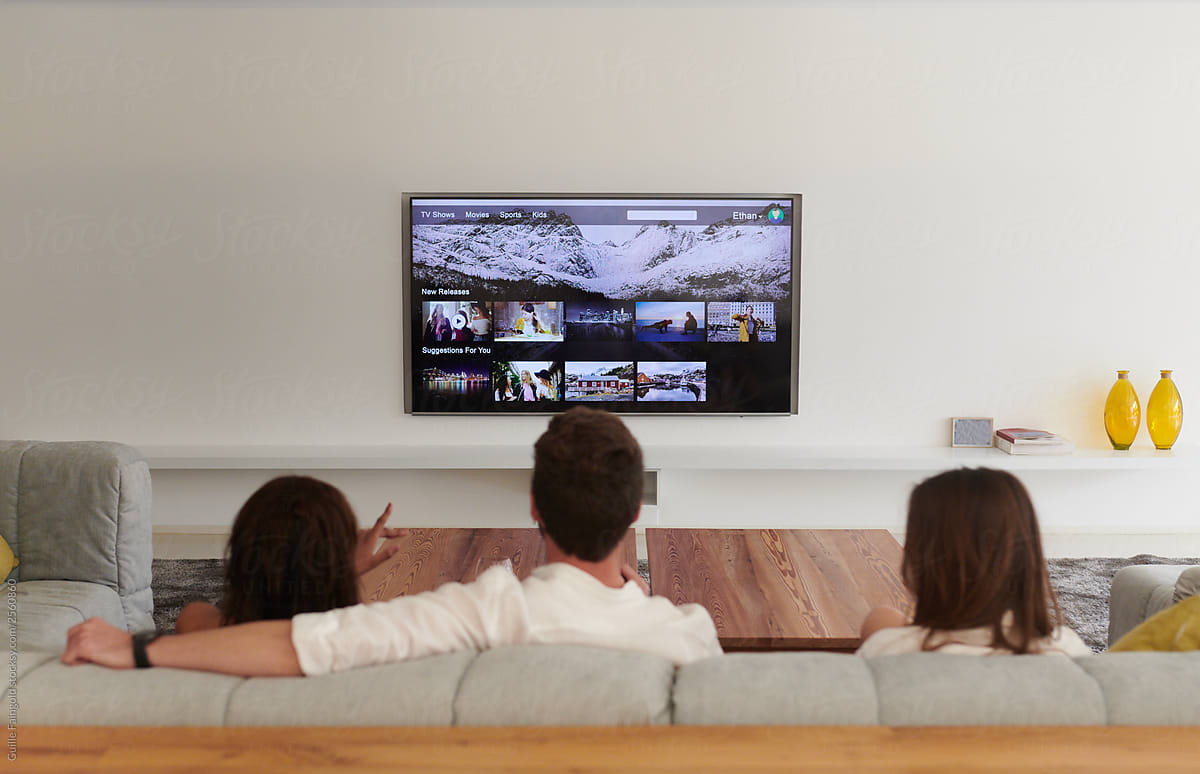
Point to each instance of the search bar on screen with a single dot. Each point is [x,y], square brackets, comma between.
[660,215]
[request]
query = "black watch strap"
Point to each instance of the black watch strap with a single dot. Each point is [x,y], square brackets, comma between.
[140,641]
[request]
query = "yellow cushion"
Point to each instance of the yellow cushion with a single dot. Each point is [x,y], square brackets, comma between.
[1176,628]
[7,560]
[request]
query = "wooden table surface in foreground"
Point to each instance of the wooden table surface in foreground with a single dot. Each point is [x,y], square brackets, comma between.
[858,750]
[780,589]
[429,557]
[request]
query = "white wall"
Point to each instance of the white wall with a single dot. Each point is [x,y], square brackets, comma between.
[200,224]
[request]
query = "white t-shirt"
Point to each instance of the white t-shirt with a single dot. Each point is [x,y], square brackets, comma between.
[558,604]
[965,642]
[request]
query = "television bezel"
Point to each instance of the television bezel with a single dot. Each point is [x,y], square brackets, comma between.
[407,363]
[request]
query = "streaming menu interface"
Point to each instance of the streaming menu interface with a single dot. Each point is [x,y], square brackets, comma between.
[642,305]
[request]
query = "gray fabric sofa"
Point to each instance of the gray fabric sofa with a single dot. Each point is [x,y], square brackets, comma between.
[67,504]
[1142,590]
[572,685]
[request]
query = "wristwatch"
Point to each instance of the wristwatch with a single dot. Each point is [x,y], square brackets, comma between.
[140,641]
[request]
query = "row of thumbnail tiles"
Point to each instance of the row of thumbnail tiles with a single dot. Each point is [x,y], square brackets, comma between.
[458,321]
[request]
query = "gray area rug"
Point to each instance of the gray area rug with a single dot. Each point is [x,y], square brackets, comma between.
[1081,584]
[180,581]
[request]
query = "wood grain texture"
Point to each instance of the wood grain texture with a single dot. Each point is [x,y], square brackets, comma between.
[430,557]
[862,750]
[776,589]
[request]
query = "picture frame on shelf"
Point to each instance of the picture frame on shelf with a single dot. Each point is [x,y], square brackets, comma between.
[971,432]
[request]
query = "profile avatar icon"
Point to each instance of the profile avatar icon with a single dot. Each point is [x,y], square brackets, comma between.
[775,215]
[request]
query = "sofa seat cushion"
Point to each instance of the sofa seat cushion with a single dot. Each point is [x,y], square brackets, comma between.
[1148,689]
[776,689]
[27,661]
[54,694]
[410,693]
[931,689]
[564,685]
[47,609]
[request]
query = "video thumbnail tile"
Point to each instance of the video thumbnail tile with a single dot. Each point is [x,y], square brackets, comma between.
[594,380]
[669,321]
[456,321]
[529,320]
[685,381]
[526,381]
[600,320]
[741,321]
[456,378]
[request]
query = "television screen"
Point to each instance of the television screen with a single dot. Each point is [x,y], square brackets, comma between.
[642,304]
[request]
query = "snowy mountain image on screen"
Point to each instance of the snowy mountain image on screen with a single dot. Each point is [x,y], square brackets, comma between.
[666,260]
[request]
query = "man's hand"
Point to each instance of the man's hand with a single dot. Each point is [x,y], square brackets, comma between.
[366,558]
[630,574]
[96,641]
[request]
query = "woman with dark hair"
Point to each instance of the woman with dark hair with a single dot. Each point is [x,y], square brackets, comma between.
[528,323]
[295,547]
[974,564]
[481,321]
[545,386]
[504,390]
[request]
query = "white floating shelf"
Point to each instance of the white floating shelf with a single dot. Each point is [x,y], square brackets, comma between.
[658,457]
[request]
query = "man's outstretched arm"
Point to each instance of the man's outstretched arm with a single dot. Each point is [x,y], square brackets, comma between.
[262,648]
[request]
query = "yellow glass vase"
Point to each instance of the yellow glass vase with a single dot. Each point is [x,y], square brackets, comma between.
[1164,413]
[1122,412]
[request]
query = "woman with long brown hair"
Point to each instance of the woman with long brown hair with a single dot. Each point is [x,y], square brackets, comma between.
[973,561]
[295,547]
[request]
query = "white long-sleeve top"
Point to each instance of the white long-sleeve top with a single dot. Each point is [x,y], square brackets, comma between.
[966,642]
[557,605]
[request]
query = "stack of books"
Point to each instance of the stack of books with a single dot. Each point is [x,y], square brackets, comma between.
[1020,440]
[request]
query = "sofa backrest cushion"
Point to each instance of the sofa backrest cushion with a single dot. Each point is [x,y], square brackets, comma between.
[1149,689]
[410,693]
[54,694]
[80,511]
[564,685]
[932,689]
[1187,584]
[11,453]
[776,689]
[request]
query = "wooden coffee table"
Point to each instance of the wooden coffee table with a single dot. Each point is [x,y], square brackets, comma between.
[779,589]
[430,557]
[766,589]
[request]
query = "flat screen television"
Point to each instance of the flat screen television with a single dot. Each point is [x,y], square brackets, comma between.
[641,304]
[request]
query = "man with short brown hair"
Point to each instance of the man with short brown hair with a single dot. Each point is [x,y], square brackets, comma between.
[587,490]
[587,482]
